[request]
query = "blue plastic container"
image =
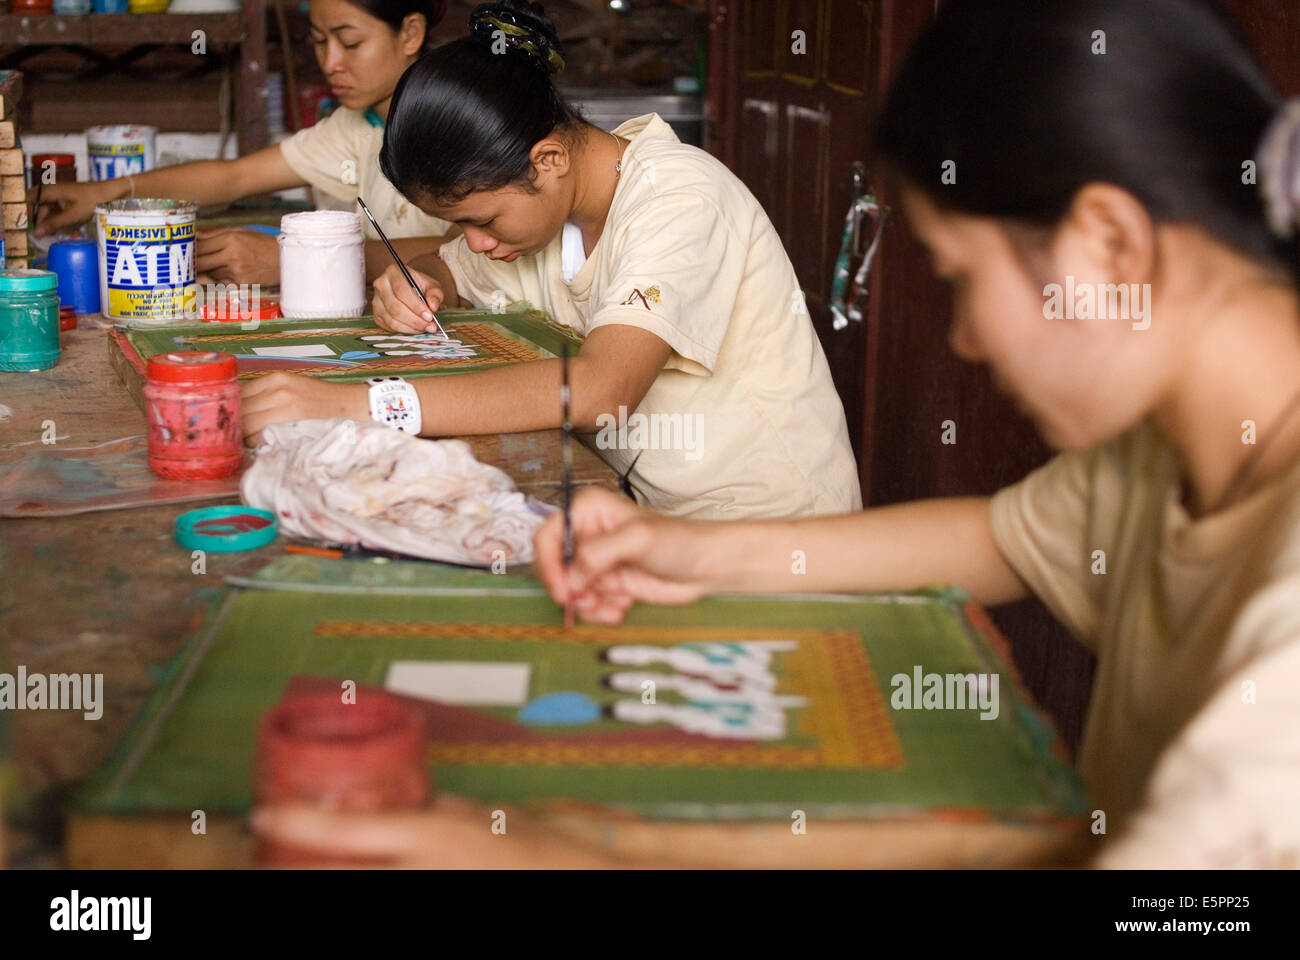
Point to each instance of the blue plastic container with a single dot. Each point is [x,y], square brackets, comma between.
[76,262]
[29,320]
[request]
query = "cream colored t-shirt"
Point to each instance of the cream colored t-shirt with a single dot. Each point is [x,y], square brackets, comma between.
[340,156]
[1192,745]
[744,420]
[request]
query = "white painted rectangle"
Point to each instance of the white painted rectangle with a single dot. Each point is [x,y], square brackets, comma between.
[460,682]
[297,350]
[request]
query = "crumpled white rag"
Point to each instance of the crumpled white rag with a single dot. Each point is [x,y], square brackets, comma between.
[348,482]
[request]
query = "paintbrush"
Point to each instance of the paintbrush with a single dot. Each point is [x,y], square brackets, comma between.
[566,441]
[401,266]
[36,207]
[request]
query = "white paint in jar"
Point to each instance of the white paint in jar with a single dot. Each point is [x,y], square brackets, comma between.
[322,265]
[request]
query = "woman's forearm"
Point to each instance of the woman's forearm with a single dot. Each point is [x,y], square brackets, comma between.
[206,182]
[510,399]
[901,547]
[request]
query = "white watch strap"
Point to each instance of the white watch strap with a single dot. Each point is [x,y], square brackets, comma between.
[394,401]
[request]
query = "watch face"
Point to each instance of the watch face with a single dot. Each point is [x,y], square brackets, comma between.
[394,401]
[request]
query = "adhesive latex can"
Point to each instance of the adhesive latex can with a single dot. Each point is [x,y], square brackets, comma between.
[360,757]
[322,264]
[191,403]
[116,150]
[146,259]
[29,319]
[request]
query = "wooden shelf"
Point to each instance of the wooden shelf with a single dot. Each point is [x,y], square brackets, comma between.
[243,30]
[118,29]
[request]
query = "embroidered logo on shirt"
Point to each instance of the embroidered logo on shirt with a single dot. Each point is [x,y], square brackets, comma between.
[651,293]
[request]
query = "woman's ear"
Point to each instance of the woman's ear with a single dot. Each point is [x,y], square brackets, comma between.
[411,36]
[1114,232]
[550,158]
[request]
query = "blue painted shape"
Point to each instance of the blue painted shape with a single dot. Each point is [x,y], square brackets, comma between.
[358,355]
[560,708]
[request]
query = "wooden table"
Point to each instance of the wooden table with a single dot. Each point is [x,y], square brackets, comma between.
[110,592]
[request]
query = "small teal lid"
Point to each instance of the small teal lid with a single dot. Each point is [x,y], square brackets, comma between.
[226,529]
[28,281]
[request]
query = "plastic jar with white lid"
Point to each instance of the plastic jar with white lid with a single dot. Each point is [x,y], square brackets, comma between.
[322,265]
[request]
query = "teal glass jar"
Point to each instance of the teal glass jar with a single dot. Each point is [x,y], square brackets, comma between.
[29,319]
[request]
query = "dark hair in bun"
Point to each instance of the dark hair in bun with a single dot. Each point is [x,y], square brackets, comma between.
[520,28]
[465,116]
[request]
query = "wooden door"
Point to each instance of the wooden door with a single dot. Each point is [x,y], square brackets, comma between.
[790,85]
[791,125]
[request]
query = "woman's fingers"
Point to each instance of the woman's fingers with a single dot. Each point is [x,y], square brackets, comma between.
[61,205]
[354,834]
[399,308]
[593,512]
[210,250]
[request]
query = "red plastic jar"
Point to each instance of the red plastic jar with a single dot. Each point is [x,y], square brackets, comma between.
[191,403]
[358,757]
[64,165]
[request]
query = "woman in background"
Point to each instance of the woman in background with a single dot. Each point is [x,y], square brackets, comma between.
[651,250]
[362,46]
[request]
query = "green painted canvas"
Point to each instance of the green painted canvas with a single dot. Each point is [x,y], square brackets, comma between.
[732,708]
[355,349]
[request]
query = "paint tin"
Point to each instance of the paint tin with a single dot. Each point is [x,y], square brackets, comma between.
[116,150]
[364,756]
[322,264]
[191,405]
[29,320]
[146,259]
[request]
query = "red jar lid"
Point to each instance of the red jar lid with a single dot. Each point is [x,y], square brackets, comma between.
[192,366]
[60,159]
[236,311]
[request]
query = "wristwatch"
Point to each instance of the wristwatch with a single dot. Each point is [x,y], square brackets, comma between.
[394,401]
